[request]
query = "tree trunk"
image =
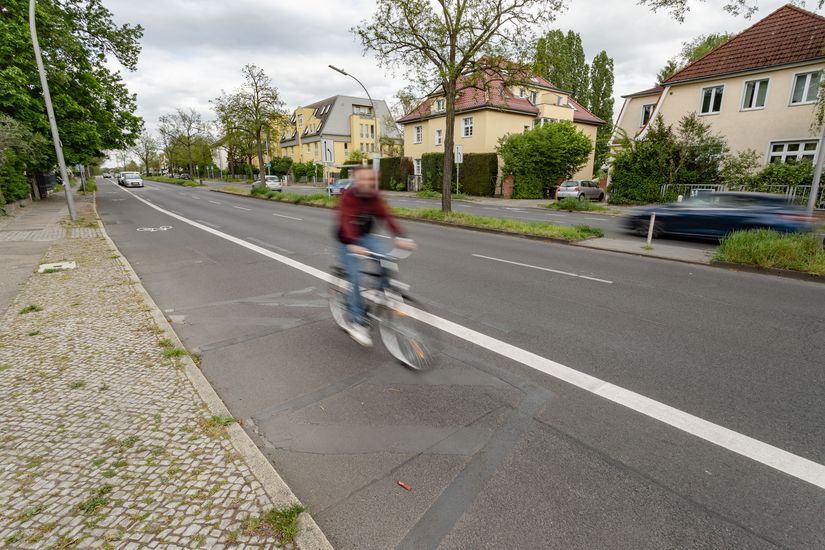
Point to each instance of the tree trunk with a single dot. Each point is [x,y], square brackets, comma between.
[261,173]
[449,141]
[189,156]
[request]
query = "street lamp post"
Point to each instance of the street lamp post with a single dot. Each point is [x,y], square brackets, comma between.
[376,156]
[58,147]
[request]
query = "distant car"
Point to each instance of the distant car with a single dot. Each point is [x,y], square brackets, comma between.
[273,183]
[714,215]
[184,176]
[337,189]
[580,189]
[132,179]
[107,175]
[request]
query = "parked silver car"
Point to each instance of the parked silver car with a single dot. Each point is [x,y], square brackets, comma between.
[273,183]
[580,189]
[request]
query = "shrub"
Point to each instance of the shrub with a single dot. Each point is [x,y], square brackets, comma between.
[477,175]
[787,173]
[394,173]
[543,155]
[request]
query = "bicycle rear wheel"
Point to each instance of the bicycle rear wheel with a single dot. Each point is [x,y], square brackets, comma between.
[411,342]
[338,302]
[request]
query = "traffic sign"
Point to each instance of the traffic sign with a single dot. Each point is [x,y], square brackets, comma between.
[459,154]
[328,151]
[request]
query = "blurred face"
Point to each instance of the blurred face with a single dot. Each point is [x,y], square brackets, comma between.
[366,182]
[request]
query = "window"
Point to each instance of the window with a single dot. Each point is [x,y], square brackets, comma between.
[372,131]
[791,151]
[361,129]
[711,100]
[647,112]
[805,88]
[756,94]
[361,110]
[418,134]
[439,104]
[300,121]
[346,146]
[316,149]
[417,167]
[467,129]
[521,92]
[534,98]
[439,139]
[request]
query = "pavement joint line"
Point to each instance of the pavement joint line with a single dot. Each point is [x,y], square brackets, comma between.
[545,269]
[741,444]
[242,208]
[311,536]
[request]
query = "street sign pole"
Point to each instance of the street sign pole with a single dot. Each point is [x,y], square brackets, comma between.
[459,159]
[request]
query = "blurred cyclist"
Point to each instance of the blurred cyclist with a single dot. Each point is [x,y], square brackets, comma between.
[360,205]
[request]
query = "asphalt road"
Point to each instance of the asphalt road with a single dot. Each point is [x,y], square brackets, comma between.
[498,453]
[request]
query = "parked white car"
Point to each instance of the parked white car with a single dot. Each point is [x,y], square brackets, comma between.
[132,179]
[273,183]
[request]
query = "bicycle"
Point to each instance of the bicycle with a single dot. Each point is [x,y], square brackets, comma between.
[385,298]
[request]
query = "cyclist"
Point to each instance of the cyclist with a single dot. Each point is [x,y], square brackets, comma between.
[360,205]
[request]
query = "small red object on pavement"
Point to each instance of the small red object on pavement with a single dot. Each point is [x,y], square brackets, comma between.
[404,485]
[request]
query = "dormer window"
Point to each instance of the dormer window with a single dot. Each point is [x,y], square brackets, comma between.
[439,105]
[534,98]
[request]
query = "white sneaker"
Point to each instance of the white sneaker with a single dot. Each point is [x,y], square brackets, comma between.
[360,334]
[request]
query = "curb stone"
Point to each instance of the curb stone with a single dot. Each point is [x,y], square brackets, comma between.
[778,272]
[311,537]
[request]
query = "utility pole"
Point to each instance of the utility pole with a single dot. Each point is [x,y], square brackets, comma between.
[58,146]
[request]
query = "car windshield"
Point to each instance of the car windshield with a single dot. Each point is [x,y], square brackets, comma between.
[272,178]
[131,175]
[570,183]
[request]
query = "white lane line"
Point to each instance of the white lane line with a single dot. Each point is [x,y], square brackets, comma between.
[216,202]
[206,223]
[545,269]
[196,198]
[288,217]
[748,447]
[242,208]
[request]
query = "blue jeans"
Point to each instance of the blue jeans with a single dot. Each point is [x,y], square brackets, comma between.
[352,269]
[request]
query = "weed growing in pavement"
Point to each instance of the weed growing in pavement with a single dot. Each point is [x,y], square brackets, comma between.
[98,462]
[77,384]
[280,522]
[96,502]
[14,537]
[103,387]
[174,353]
[108,474]
[33,333]
[51,270]
[29,513]
[231,537]
[215,425]
[165,343]
[5,366]
[30,309]
[126,443]
[35,462]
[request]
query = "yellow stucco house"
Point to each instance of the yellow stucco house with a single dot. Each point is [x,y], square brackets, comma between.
[485,115]
[348,122]
[758,90]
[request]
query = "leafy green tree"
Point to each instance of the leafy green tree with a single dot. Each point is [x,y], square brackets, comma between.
[679,8]
[146,148]
[281,165]
[252,109]
[693,50]
[560,58]
[601,103]
[79,39]
[541,156]
[453,46]
[740,170]
[20,151]
[182,128]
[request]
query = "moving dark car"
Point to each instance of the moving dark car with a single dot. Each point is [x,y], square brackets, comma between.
[714,215]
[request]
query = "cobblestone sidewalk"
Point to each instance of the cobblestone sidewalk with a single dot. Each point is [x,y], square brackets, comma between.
[104,441]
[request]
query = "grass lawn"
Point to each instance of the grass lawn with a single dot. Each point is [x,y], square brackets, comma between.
[572,204]
[768,248]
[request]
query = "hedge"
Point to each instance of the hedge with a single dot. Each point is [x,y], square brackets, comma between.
[394,173]
[478,173]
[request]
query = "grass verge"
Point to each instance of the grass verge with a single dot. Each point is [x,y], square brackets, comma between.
[535,229]
[175,181]
[437,195]
[459,219]
[768,248]
[576,205]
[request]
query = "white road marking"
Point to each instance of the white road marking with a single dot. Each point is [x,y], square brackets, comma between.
[206,223]
[242,208]
[545,269]
[288,217]
[270,245]
[216,202]
[758,451]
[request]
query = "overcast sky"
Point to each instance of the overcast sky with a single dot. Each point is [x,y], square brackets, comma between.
[194,49]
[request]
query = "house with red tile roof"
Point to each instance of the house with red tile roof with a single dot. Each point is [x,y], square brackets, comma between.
[758,90]
[485,113]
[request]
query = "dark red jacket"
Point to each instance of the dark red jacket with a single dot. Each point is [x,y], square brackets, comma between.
[357,214]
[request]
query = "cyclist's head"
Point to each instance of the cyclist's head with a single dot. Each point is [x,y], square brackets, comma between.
[366,181]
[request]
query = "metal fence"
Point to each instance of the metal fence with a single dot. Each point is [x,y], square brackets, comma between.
[797,194]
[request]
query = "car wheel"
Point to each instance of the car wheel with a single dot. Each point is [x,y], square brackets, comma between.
[582,197]
[601,197]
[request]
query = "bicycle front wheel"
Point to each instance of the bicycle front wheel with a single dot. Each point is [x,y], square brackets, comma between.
[407,339]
